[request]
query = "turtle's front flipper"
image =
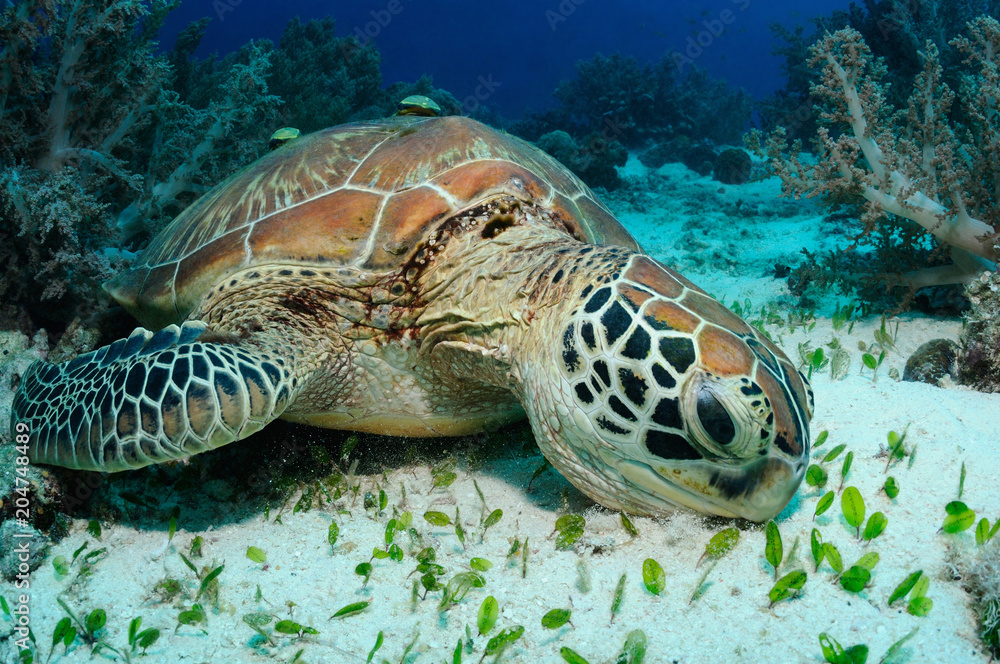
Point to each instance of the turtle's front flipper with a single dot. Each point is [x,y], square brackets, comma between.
[149,398]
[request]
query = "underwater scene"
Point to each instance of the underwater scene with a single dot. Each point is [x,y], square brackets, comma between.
[564,331]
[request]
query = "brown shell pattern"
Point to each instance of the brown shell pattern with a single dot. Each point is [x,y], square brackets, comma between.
[361,195]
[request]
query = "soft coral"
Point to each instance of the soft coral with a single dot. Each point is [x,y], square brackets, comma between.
[916,163]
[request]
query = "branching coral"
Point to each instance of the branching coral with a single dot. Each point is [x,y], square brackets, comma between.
[187,142]
[913,162]
[21,27]
[324,80]
[895,30]
[97,128]
[53,256]
[979,570]
[79,75]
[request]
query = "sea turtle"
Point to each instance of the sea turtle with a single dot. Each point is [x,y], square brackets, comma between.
[430,277]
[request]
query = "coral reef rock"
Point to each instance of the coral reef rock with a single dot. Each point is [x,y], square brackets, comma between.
[76,340]
[733,166]
[593,159]
[932,361]
[21,546]
[979,363]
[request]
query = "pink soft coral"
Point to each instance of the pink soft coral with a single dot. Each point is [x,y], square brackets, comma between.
[914,163]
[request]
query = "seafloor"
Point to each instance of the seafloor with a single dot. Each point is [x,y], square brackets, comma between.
[725,238]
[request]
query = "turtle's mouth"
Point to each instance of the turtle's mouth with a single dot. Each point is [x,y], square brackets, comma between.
[756,491]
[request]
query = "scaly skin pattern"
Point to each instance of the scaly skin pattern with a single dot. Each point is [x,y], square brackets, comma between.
[153,397]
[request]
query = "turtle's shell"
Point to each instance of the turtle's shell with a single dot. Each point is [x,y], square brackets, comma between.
[359,195]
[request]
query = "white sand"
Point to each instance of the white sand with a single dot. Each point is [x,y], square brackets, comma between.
[730,622]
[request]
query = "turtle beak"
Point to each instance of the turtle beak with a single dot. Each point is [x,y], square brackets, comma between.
[756,491]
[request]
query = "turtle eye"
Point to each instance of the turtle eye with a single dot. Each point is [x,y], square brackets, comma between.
[715,419]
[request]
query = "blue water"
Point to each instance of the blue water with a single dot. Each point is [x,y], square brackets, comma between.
[520,50]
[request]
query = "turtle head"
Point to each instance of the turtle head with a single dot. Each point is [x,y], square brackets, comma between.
[673,401]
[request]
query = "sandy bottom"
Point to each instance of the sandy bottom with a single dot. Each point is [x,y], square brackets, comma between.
[721,616]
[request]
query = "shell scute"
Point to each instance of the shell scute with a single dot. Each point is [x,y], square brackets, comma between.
[472,182]
[329,229]
[198,271]
[316,201]
[409,211]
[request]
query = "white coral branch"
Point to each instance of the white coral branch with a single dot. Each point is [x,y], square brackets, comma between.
[893,190]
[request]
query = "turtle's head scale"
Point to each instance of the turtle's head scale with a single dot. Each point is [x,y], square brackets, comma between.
[667,399]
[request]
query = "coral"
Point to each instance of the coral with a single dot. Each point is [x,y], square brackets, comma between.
[95,141]
[615,93]
[979,363]
[629,102]
[214,118]
[324,80]
[791,107]
[592,159]
[733,166]
[614,103]
[874,273]
[913,163]
[76,340]
[896,31]
[979,571]
[699,156]
[709,109]
[657,155]
[51,243]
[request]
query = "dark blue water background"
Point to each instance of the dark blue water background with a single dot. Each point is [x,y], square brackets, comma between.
[512,54]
